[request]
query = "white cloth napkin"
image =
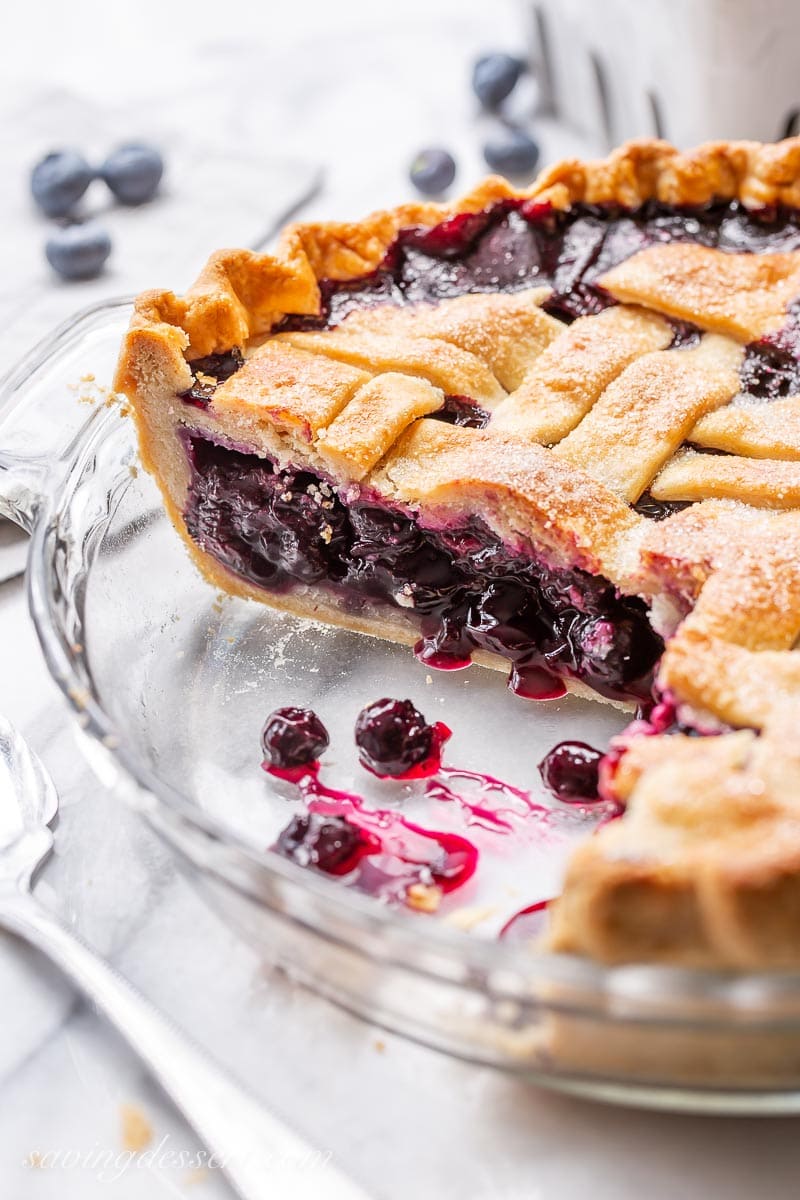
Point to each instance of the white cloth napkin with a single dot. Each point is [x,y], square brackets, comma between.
[215,193]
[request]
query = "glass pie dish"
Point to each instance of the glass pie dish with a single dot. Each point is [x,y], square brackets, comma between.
[170,685]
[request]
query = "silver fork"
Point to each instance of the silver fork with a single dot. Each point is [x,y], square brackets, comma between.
[260,1156]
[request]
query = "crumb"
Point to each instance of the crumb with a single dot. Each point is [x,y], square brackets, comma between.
[134,471]
[380,1046]
[76,648]
[230,640]
[468,917]
[424,897]
[198,1175]
[137,1132]
[87,378]
[34,1159]
[429,680]
[78,696]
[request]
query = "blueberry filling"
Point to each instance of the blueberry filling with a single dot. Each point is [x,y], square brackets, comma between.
[465,588]
[515,245]
[657,510]
[209,373]
[460,410]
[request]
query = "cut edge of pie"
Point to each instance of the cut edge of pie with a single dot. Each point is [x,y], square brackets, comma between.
[581,422]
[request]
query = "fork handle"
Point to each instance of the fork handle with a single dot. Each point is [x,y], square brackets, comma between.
[258,1153]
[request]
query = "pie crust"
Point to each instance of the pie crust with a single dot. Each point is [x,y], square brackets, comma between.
[584,419]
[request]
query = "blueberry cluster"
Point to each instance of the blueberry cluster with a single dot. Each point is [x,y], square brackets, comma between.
[392,737]
[78,250]
[510,150]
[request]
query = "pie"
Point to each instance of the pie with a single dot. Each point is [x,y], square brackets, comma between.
[558,432]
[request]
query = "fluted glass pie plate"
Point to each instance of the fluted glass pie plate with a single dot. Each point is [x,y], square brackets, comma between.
[169,685]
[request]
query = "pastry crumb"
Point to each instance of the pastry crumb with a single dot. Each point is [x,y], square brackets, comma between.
[424,897]
[469,916]
[379,1045]
[137,1132]
[198,1175]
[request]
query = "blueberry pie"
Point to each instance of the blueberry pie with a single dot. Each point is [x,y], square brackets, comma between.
[557,432]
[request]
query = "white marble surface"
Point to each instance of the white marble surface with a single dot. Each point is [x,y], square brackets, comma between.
[347,86]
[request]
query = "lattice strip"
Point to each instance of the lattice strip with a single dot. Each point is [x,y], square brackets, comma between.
[765,430]
[741,295]
[766,483]
[374,419]
[507,332]
[457,372]
[645,414]
[575,369]
[296,390]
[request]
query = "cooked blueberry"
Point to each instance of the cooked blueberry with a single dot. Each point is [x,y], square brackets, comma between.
[571,771]
[59,180]
[494,77]
[618,650]
[513,152]
[293,737]
[329,843]
[392,737]
[432,171]
[79,251]
[133,172]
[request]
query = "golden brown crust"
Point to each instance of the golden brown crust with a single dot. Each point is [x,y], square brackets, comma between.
[711,842]
[240,294]
[743,296]
[704,870]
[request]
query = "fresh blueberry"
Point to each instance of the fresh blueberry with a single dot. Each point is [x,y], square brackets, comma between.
[293,737]
[133,172]
[512,152]
[432,171]
[78,251]
[59,180]
[494,77]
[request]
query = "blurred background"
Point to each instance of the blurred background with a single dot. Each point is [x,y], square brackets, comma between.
[267,110]
[259,110]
